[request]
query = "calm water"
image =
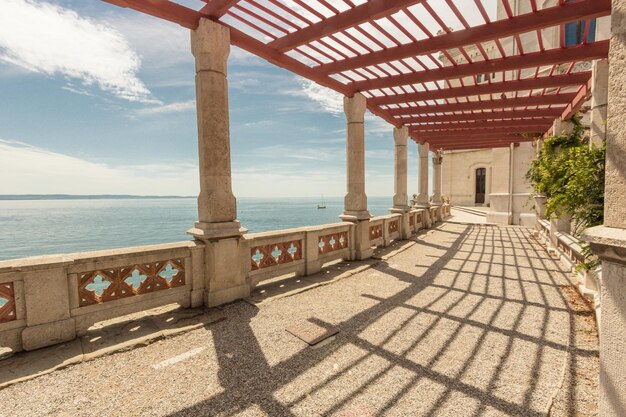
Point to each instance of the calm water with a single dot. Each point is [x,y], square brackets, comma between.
[42,227]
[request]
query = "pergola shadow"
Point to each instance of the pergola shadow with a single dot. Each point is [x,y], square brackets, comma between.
[456,319]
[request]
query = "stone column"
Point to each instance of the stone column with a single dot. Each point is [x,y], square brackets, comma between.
[217,226]
[436,198]
[400,196]
[562,127]
[609,241]
[599,99]
[355,201]
[422,197]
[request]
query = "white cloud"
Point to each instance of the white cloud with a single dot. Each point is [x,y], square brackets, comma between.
[31,170]
[177,107]
[49,39]
[331,101]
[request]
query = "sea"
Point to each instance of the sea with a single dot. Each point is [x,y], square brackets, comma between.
[57,226]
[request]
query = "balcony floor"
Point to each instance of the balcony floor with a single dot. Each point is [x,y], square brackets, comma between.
[470,321]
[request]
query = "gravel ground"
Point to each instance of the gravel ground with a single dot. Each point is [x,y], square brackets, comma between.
[471,321]
[578,396]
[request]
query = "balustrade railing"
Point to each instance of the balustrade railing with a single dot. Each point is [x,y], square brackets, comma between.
[51,299]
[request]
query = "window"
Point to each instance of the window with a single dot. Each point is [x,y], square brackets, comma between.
[575,32]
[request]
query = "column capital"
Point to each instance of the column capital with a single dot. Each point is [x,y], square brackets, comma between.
[400,135]
[210,45]
[354,107]
[437,158]
[562,127]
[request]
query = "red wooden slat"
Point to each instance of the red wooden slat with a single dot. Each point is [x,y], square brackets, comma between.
[596,50]
[373,9]
[493,115]
[484,33]
[563,99]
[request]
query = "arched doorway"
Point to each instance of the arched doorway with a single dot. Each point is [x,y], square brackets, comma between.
[481,185]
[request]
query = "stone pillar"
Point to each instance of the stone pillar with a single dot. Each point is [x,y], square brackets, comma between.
[355,201]
[436,199]
[422,197]
[47,299]
[609,241]
[562,127]
[400,196]
[599,99]
[217,224]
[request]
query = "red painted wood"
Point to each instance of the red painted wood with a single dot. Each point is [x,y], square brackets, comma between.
[481,89]
[596,50]
[552,16]
[217,8]
[486,133]
[164,9]
[480,125]
[552,99]
[495,115]
[373,9]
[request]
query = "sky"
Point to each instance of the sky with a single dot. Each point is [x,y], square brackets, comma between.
[96,99]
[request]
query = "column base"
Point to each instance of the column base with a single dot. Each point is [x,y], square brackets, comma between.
[48,334]
[355,216]
[206,230]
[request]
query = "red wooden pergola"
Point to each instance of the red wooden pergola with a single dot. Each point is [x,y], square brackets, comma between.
[384,50]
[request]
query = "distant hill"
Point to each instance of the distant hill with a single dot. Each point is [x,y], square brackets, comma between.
[84,197]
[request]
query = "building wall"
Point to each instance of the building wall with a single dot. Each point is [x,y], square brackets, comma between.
[459,179]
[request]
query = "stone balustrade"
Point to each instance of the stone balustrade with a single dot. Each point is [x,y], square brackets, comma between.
[571,253]
[302,251]
[52,299]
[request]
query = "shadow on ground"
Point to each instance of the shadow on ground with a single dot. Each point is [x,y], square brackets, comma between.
[481,326]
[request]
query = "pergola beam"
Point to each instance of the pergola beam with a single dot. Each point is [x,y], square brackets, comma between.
[434,144]
[552,99]
[480,125]
[163,9]
[596,50]
[372,10]
[492,115]
[470,146]
[485,89]
[217,8]
[557,15]
[487,133]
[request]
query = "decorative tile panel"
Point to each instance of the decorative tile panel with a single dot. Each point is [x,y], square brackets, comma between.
[393,226]
[275,254]
[110,284]
[332,242]
[7,302]
[376,231]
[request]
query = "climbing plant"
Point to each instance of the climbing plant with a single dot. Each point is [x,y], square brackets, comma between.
[570,173]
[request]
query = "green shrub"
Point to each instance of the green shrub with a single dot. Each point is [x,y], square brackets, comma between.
[570,173]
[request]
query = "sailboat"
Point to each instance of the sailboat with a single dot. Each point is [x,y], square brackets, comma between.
[322,205]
